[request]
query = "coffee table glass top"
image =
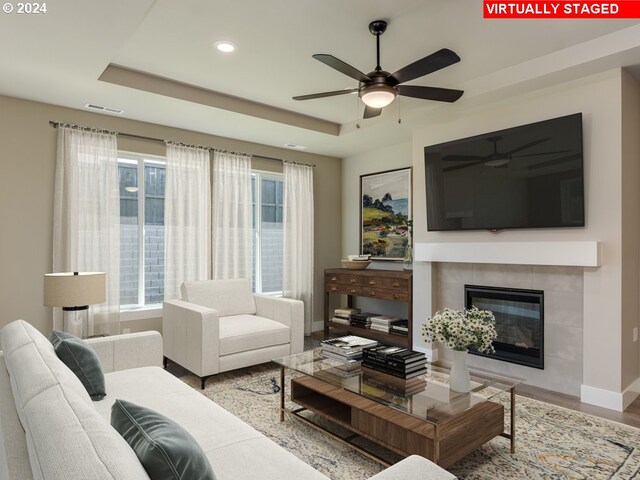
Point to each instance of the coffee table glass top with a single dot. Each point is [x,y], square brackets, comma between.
[426,397]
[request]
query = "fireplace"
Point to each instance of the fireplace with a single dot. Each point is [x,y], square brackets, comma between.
[519,322]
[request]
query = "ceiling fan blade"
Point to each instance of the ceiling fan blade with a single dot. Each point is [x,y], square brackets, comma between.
[550,163]
[371,112]
[525,146]
[462,158]
[464,165]
[430,93]
[342,67]
[541,153]
[429,64]
[325,94]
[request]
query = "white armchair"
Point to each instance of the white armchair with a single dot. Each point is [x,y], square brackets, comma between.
[220,325]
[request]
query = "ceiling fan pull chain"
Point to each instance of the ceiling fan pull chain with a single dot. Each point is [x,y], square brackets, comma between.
[358,111]
[399,113]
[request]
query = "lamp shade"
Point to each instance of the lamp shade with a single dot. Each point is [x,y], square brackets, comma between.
[74,289]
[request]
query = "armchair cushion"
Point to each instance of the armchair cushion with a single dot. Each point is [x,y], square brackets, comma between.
[228,297]
[239,333]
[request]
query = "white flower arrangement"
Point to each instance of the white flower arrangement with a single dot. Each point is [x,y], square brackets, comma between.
[461,329]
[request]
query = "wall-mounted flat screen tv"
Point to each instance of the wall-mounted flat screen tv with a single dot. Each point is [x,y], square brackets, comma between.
[529,176]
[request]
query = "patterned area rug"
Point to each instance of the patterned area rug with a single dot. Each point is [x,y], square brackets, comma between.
[552,442]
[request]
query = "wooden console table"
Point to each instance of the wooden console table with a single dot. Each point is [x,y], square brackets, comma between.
[391,285]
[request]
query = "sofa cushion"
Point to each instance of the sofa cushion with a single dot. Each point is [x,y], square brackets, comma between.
[165,449]
[239,333]
[81,360]
[33,365]
[234,449]
[228,297]
[66,437]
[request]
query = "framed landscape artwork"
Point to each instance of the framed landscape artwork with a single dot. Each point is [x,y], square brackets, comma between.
[385,209]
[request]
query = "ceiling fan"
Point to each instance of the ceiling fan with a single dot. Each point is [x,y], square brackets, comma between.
[379,88]
[497,159]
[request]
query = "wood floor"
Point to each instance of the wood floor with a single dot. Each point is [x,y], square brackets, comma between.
[631,416]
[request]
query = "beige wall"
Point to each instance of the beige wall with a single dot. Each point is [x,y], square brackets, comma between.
[27,163]
[630,227]
[389,158]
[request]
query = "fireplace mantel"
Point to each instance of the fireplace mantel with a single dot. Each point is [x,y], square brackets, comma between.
[574,254]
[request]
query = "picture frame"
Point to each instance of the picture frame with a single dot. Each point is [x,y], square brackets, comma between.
[385,213]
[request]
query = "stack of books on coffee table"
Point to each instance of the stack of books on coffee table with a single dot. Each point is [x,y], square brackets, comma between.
[396,361]
[347,349]
[377,382]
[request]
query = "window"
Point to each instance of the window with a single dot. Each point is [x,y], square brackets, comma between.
[268,259]
[141,229]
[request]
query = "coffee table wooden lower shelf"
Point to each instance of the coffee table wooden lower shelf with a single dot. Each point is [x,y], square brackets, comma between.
[443,443]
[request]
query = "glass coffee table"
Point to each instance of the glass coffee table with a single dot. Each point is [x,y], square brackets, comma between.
[416,416]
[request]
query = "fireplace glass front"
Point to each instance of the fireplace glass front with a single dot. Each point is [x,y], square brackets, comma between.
[519,322]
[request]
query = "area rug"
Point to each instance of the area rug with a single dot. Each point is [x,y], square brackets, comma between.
[552,442]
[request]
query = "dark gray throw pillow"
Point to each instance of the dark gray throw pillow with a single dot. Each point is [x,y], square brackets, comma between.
[165,449]
[82,360]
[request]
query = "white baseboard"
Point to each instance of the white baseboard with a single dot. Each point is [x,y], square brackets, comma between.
[617,401]
[631,393]
[601,397]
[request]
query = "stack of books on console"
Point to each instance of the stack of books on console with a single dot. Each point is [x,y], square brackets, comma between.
[397,361]
[343,315]
[362,320]
[346,349]
[382,323]
[400,327]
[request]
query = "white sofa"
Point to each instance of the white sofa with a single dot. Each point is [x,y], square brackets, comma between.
[50,429]
[220,325]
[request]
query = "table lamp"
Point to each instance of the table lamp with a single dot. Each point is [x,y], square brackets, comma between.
[74,292]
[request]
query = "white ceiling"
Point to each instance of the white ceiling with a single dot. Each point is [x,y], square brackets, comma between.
[57,58]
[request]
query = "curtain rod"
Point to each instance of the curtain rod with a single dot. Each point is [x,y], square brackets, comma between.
[154,139]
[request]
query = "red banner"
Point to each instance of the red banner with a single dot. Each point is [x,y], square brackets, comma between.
[563,9]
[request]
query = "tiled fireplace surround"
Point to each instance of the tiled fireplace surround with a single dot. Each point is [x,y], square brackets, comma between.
[563,315]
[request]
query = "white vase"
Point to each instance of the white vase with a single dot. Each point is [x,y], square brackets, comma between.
[459,379]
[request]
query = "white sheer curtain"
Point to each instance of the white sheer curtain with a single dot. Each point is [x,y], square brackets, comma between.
[86,218]
[298,237]
[187,217]
[232,216]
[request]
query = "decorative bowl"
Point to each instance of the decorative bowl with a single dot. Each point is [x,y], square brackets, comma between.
[355,264]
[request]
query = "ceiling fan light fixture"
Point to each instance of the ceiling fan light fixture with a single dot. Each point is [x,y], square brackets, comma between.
[378,96]
[496,162]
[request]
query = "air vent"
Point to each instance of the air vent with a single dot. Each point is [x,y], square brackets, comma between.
[101,108]
[295,146]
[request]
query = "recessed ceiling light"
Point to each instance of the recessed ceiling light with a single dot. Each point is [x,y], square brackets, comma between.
[225,46]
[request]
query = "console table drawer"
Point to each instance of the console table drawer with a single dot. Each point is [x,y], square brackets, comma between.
[393,283]
[343,279]
[343,289]
[386,294]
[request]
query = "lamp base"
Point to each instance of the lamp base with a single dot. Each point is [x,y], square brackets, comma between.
[75,320]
